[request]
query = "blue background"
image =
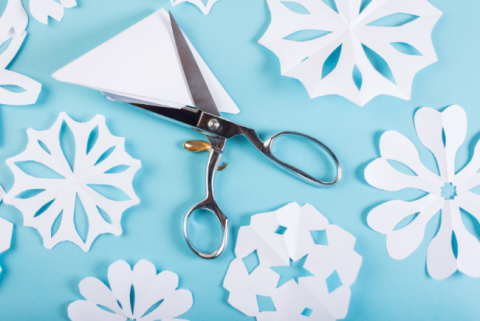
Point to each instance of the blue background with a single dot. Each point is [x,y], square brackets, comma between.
[39,284]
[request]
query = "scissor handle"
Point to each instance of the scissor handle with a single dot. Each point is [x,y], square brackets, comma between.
[266,148]
[209,202]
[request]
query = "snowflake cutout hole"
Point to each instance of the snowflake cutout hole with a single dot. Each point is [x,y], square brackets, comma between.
[204,5]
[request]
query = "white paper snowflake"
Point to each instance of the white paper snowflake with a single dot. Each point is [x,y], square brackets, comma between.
[204,5]
[55,198]
[442,133]
[42,9]
[278,239]
[305,33]
[6,230]
[156,295]
[12,29]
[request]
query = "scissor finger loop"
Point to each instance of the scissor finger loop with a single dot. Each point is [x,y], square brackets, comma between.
[267,150]
[208,204]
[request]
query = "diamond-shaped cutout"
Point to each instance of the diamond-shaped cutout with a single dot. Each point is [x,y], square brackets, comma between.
[319,237]
[281,230]
[251,261]
[333,282]
[265,303]
[307,312]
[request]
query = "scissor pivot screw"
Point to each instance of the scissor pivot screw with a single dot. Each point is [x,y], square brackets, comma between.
[213,124]
[197,146]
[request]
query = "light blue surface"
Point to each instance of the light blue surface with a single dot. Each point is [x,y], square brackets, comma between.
[39,284]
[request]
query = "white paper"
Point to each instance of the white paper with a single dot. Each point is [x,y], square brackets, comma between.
[204,5]
[14,17]
[12,28]
[290,299]
[42,9]
[149,288]
[142,63]
[6,230]
[304,60]
[64,191]
[430,125]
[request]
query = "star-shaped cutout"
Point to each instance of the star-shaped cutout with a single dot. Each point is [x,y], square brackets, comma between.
[294,271]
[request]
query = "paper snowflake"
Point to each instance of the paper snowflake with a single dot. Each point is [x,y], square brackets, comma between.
[12,34]
[156,295]
[293,235]
[49,202]
[204,5]
[373,50]
[42,9]
[442,133]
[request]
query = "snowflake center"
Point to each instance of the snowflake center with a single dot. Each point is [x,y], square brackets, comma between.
[449,191]
[73,180]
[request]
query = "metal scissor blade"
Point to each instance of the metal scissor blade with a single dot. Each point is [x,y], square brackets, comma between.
[185,116]
[202,98]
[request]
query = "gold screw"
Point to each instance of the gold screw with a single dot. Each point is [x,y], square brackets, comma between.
[196,146]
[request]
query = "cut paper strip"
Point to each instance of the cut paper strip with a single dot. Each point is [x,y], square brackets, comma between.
[12,29]
[51,203]
[142,63]
[286,238]
[156,295]
[204,5]
[354,56]
[42,9]
[442,133]
[6,229]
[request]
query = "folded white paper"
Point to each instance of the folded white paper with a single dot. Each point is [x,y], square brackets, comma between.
[156,295]
[45,201]
[442,133]
[142,63]
[42,9]
[204,5]
[283,236]
[348,29]
[12,28]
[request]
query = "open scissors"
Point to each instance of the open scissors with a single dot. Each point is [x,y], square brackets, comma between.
[206,119]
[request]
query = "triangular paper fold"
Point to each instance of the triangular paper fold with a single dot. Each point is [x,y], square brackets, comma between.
[142,63]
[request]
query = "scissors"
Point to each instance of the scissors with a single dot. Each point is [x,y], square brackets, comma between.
[206,119]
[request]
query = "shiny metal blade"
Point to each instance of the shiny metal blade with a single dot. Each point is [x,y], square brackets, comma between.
[201,95]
